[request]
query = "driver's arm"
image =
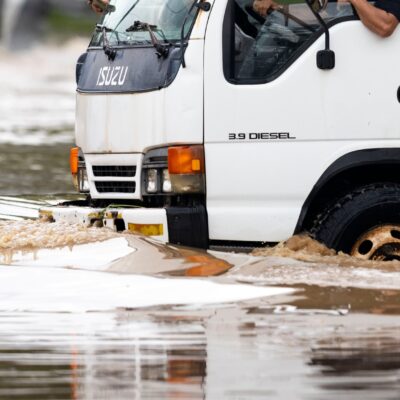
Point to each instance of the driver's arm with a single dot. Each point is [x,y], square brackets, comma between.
[378,20]
[263,6]
[95,7]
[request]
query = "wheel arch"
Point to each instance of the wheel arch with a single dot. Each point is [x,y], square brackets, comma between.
[347,172]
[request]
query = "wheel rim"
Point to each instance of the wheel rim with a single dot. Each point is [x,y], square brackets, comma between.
[381,243]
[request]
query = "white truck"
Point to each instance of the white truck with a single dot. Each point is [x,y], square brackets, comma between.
[204,124]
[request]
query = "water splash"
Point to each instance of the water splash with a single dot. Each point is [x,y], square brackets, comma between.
[304,248]
[28,236]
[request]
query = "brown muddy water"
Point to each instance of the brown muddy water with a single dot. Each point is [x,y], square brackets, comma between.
[91,314]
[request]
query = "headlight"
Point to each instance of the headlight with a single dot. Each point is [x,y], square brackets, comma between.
[175,170]
[152,181]
[166,181]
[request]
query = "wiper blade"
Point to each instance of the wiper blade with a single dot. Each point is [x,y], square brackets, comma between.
[100,28]
[162,50]
[139,26]
[108,50]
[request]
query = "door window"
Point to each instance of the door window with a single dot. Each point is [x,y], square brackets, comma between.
[257,49]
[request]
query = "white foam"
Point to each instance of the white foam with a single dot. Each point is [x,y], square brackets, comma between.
[287,271]
[94,256]
[62,290]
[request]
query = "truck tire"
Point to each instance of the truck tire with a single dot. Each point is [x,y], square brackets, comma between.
[364,223]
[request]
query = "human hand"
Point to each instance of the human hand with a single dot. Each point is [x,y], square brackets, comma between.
[262,6]
[94,4]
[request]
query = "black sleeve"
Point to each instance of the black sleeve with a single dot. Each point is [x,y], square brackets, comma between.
[390,6]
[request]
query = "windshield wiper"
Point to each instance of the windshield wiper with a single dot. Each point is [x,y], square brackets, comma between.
[100,28]
[108,50]
[162,50]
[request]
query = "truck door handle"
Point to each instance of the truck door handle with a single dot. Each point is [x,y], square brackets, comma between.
[398,94]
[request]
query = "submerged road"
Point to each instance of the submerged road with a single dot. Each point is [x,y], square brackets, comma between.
[121,316]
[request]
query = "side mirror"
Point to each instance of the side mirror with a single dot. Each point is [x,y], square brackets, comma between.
[326,57]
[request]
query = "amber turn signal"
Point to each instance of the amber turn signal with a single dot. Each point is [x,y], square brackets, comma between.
[186,160]
[74,160]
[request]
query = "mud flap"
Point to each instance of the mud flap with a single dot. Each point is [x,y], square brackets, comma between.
[188,226]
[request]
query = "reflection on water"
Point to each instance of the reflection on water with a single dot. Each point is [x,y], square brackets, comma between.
[223,353]
[121,356]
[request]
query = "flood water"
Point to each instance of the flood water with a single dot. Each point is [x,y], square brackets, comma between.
[37,108]
[91,314]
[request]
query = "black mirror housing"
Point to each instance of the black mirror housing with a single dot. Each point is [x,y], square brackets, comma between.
[326,59]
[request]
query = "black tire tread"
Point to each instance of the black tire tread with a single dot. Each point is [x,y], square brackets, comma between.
[333,213]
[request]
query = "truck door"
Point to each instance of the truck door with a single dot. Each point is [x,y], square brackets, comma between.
[274,121]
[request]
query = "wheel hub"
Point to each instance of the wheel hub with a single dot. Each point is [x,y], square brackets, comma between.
[381,243]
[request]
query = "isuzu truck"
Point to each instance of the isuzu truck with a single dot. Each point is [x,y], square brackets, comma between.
[205,124]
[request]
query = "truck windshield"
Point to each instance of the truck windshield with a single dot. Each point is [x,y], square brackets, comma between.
[165,16]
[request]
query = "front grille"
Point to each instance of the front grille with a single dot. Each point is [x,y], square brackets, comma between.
[114,170]
[116,187]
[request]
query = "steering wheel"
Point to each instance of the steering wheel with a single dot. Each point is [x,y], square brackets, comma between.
[250,10]
[280,30]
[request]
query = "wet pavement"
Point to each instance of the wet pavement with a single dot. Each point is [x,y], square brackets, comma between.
[246,350]
[91,314]
[129,317]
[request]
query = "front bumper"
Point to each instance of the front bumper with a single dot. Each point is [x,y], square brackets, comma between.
[186,226]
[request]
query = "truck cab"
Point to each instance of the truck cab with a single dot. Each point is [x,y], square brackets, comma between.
[231,128]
